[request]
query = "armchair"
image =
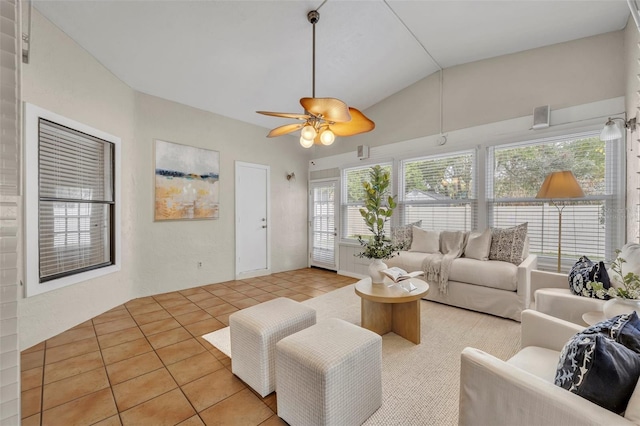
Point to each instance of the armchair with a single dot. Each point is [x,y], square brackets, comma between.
[550,292]
[520,391]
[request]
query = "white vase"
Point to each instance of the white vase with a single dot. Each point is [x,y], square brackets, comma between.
[616,306]
[375,271]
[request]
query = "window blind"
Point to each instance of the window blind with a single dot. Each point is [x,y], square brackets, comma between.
[323,222]
[76,191]
[353,195]
[591,225]
[440,191]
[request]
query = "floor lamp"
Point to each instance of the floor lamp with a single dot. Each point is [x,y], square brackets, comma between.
[556,186]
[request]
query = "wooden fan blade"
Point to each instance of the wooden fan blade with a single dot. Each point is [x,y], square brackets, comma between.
[283,130]
[359,124]
[286,115]
[330,109]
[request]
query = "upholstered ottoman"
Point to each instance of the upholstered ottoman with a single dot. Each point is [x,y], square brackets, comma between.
[329,374]
[254,334]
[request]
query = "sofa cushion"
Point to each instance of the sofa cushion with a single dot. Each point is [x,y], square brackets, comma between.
[425,241]
[404,234]
[494,274]
[408,260]
[541,362]
[478,245]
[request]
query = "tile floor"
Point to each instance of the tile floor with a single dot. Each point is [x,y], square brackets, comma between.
[145,362]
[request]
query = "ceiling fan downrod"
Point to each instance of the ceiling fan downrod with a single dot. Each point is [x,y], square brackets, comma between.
[313,17]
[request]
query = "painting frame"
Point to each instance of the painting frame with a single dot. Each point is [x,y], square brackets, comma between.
[186,182]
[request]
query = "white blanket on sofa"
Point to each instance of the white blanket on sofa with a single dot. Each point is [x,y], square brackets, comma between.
[436,266]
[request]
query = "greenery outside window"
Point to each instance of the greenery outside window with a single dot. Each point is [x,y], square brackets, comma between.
[440,191]
[592,226]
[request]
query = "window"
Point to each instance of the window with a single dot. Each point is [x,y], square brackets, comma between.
[439,190]
[353,200]
[72,203]
[591,226]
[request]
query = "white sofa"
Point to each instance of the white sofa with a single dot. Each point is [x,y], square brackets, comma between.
[521,391]
[491,286]
[550,292]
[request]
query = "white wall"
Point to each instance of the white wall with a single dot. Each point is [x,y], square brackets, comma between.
[156,257]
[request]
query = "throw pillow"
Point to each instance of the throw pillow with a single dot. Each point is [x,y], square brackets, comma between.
[585,271]
[425,241]
[404,234]
[478,245]
[598,369]
[507,244]
[601,358]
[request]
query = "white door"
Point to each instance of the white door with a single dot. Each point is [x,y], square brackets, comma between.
[252,219]
[323,227]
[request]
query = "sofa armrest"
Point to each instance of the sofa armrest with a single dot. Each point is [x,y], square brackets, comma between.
[525,268]
[545,331]
[544,279]
[493,392]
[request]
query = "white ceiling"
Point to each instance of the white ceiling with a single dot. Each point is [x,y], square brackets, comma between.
[235,57]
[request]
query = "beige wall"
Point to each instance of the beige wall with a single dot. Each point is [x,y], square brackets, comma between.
[156,257]
[632,70]
[497,89]
[64,79]
[168,251]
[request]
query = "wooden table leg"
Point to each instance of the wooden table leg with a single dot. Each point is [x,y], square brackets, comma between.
[376,316]
[406,320]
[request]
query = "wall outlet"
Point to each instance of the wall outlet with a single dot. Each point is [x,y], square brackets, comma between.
[199,265]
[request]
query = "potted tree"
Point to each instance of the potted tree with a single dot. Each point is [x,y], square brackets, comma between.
[378,208]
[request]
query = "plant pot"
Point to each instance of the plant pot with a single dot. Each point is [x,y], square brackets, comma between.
[375,271]
[617,306]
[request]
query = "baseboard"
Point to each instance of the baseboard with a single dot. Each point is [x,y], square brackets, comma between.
[253,274]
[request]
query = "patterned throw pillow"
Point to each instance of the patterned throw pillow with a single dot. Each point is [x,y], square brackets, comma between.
[585,271]
[597,365]
[404,234]
[507,244]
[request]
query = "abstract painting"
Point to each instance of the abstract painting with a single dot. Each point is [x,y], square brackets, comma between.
[187,182]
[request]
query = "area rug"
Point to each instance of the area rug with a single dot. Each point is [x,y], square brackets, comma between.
[420,383]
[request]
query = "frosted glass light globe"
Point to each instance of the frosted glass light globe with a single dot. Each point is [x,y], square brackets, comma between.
[327,137]
[308,133]
[306,143]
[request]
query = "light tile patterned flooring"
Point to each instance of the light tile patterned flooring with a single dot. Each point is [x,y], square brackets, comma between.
[145,362]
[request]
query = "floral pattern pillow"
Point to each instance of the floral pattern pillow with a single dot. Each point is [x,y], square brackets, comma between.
[404,234]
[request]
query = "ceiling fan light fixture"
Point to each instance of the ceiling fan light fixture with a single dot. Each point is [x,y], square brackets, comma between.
[308,132]
[320,113]
[306,143]
[327,137]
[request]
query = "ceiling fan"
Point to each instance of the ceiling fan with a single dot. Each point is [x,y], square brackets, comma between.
[323,118]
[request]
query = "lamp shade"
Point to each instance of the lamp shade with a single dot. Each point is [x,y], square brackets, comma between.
[610,132]
[560,185]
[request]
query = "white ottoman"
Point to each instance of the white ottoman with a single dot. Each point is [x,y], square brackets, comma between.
[329,374]
[254,334]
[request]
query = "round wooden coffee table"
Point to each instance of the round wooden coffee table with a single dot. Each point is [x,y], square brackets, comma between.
[387,308]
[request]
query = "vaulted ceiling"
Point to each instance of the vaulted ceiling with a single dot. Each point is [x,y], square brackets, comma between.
[235,57]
